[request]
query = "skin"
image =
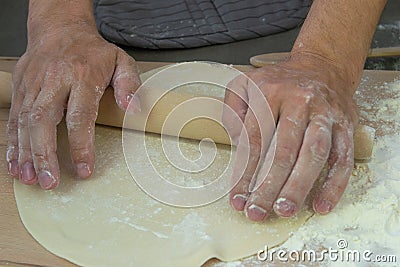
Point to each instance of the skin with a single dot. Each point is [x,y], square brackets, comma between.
[68,65]
[311,99]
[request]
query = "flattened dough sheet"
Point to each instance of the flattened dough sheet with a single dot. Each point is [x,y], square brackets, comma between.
[109,221]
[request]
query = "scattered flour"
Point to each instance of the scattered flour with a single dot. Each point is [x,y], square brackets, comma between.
[186,228]
[368,216]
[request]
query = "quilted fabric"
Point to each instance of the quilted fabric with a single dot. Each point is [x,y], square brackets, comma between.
[163,24]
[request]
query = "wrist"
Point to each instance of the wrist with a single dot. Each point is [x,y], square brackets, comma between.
[332,72]
[49,16]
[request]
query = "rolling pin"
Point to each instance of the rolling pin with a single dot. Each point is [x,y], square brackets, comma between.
[109,114]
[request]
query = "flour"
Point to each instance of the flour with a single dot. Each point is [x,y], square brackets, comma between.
[108,220]
[192,225]
[135,226]
[368,215]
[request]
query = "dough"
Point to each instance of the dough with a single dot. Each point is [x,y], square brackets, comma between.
[109,221]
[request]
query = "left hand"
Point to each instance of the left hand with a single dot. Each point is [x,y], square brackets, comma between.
[67,67]
[315,116]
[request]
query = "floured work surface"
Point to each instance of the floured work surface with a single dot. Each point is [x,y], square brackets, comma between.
[109,221]
[364,228]
[17,246]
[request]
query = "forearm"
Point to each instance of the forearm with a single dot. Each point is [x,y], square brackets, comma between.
[44,16]
[339,32]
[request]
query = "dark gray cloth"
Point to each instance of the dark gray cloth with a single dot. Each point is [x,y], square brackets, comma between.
[163,24]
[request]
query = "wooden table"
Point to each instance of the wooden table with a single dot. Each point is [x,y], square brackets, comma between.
[18,248]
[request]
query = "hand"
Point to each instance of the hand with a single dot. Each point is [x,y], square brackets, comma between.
[66,67]
[315,116]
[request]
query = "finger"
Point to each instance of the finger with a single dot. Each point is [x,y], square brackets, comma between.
[236,100]
[125,82]
[341,163]
[246,162]
[27,170]
[259,125]
[47,112]
[12,130]
[18,92]
[290,131]
[27,173]
[81,117]
[312,157]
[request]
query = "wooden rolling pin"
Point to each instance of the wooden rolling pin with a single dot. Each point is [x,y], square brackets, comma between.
[273,58]
[109,114]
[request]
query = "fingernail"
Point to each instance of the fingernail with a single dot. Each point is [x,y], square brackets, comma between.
[284,207]
[46,180]
[256,213]
[323,206]
[133,104]
[13,168]
[83,170]
[27,172]
[239,201]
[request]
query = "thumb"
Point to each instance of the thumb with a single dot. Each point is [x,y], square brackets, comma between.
[125,82]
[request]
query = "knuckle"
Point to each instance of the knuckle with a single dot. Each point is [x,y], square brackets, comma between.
[37,115]
[334,190]
[24,147]
[312,93]
[12,124]
[12,137]
[344,159]
[23,118]
[79,150]
[241,187]
[56,66]
[57,70]
[341,172]
[80,117]
[80,64]
[24,153]
[39,157]
[285,157]
[319,151]
[320,148]
[323,118]
[80,155]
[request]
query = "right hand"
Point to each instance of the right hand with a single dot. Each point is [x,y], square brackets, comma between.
[311,104]
[66,67]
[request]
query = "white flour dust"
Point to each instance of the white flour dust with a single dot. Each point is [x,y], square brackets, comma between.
[367,218]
